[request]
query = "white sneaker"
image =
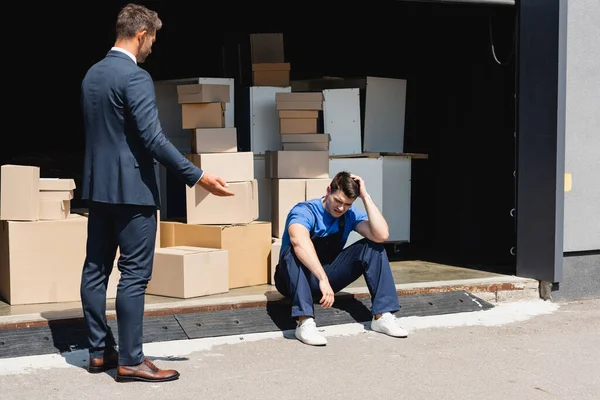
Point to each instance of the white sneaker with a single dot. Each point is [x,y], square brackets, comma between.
[388,324]
[307,333]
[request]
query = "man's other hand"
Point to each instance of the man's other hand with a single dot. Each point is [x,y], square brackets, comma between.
[328,295]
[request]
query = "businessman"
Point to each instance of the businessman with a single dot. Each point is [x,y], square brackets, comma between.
[314,263]
[123,142]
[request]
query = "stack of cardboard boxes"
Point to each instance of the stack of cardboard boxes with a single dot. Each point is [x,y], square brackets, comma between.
[221,245]
[42,245]
[300,172]
[298,121]
[268,65]
[214,149]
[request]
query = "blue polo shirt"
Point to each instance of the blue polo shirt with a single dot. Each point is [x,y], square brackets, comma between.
[312,215]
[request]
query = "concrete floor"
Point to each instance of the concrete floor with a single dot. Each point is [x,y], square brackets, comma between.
[520,351]
[405,272]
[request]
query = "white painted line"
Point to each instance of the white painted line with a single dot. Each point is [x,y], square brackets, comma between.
[505,313]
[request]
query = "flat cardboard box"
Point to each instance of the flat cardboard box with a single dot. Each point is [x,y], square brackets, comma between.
[310,146]
[306,138]
[232,167]
[203,93]
[213,140]
[306,142]
[299,101]
[186,271]
[57,184]
[298,113]
[248,246]
[19,193]
[203,115]
[205,208]
[57,195]
[271,74]
[56,189]
[295,97]
[297,164]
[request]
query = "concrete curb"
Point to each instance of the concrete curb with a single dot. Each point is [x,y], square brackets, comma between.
[494,290]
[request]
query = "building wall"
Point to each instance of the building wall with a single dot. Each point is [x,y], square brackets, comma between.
[582,201]
[581,277]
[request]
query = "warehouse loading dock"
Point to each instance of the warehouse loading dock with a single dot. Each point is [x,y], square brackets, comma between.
[460,111]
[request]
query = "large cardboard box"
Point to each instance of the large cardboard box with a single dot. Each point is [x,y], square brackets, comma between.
[41,261]
[19,193]
[187,271]
[203,207]
[248,247]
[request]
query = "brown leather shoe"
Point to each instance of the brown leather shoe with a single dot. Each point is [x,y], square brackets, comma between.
[145,372]
[101,364]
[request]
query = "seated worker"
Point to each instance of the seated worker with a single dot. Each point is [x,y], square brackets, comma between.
[313,262]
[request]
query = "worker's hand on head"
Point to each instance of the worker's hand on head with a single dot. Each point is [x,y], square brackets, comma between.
[361,185]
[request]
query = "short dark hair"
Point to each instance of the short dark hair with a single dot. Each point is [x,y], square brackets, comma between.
[134,18]
[344,182]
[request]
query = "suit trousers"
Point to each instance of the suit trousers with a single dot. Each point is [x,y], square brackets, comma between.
[132,229]
[366,258]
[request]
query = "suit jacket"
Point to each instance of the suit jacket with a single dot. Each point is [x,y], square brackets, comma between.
[123,135]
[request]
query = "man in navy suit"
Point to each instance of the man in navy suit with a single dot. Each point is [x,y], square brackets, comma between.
[123,139]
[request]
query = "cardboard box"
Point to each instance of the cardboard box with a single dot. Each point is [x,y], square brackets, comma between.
[266,48]
[248,247]
[203,93]
[213,140]
[186,271]
[286,193]
[57,185]
[19,193]
[298,114]
[297,125]
[203,115]
[205,208]
[306,142]
[233,167]
[271,74]
[54,210]
[297,164]
[299,101]
[63,195]
[274,259]
[41,261]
